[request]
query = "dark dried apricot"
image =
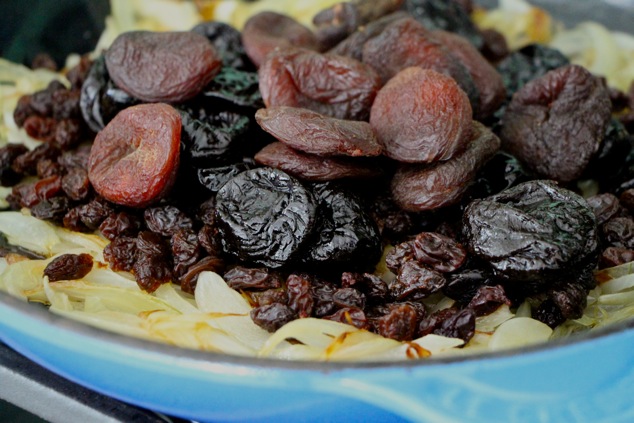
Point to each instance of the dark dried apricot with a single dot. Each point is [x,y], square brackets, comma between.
[134,159]
[315,133]
[332,85]
[181,64]
[421,116]
[265,31]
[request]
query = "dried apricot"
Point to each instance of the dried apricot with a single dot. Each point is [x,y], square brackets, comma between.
[421,116]
[181,64]
[134,159]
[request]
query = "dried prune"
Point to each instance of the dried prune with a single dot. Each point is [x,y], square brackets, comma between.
[418,187]
[501,172]
[265,31]
[405,43]
[182,63]
[432,121]
[312,167]
[311,132]
[345,235]
[532,235]
[100,98]
[134,159]
[264,216]
[228,44]
[213,178]
[300,299]
[241,277]
[415,282]
[446,15]
[271,317]
[332,85]
[486,78]
[555,124]
[438,252]
[235,87]
[166,220]
[610,163]
[68,267]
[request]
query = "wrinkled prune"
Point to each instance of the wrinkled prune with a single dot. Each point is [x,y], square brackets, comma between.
[532,235]
[311,167]
[235,87]
[264,216]
[240,277]
[134,159]
[68,267]
[448,15]
[419,187]
[213,178]
[228,44]
[332,85]
[266,31]
[438,252]
[182,63]
[311,132]
[345,236]
[555,124]
[432,119]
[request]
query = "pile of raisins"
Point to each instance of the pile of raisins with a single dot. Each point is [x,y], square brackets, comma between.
[289,160]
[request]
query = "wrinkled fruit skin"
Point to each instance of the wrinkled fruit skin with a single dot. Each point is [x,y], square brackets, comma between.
[135,158]
[181,64]
[417,187]
[332,85]
[264,216]
[534,234]
[555,124]
[421,116]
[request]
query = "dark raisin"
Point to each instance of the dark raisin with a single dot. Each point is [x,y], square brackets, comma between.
[210,241]
[273,316]
[152,266]
[351,316]
[26,163]
[40,128]
[269,296]
[399,255]
[93,213]
[619,232]
[185,250]
[615,256]
[439,252]
[322,298]
[400,323]
[68,267]
[47,168]
[605,207]
[487,299]
[166,220]
[210,263]
[461,325]
[240,277]
[349,297]
[8,153]
[76,184]
[415,282]
[228,44]
[53,209]
[300,300]
[372,286]
[120,224]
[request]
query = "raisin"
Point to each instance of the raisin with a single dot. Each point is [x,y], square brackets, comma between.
[332,85]
[460,325]
[76,158]
[68,133]
[26,163]
[300,299]
[190,278]
[120,224]
[53,209]
[393,222]
[372,286]
[416,187]
[241,277]
[44,61]
[432,121]
[93,213]
[8,153]
[494,46]
[267,297]
[346,236]
[68,267]
[209,240]
[311,167]
[438,252]
[605,207]
[40,128]
[182,63]
[619,232]
[264,216]
[399,255]
[152,266]
[349,297]
[23,110]
[72,221]
[76,184]
[532,235]
[185,250]
[227,42]
[266,31]
[626,199]
[314,133]
[46,168]
[400,323]
[273,316]
[463,285]
[487,299]
[78,73]
[555,124]
[415,282]
[615,256]
[351,316]
[134,159]
[322,293]
[166,220]
[48,187]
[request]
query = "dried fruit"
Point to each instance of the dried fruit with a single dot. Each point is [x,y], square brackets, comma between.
[182,63]
[134,160]
[68,267]
[421,116]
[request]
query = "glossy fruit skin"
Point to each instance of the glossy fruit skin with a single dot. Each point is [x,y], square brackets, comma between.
[421,116]
[134,160]
[181,64]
